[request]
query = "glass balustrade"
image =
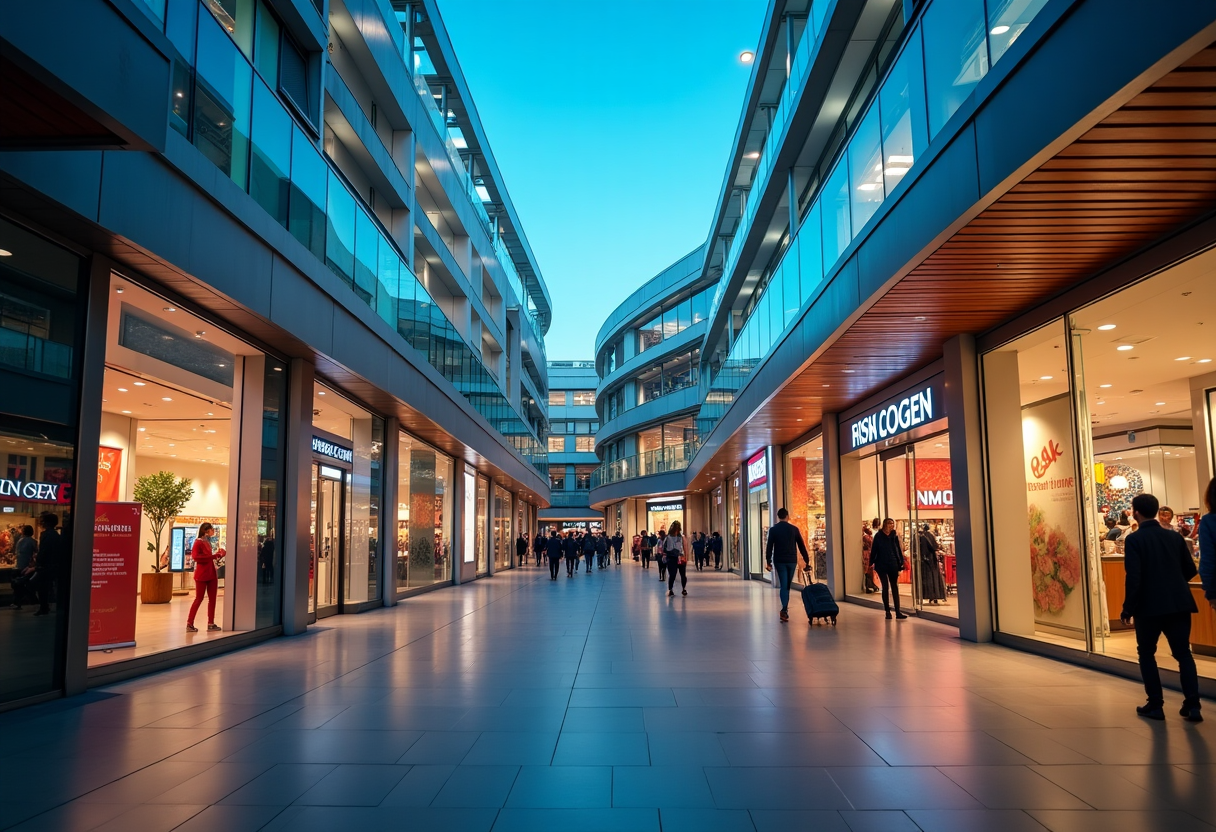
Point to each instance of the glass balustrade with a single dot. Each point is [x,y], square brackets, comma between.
[915,101]
[659,461]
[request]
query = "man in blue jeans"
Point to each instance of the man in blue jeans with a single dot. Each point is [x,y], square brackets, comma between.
[784,544]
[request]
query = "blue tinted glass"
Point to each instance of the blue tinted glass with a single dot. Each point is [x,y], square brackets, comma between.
[810,255]
[306,213]
[834,204]
[956,56]
[865,170]
[791,298]
[388,276]
[1006,20]
[340,230]
[221,101]
[180,24]
[901,104]
[367,241]
[270,164]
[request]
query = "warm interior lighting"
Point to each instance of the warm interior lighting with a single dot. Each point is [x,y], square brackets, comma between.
[1045,378]
[755,154]
[747,56]
[6,253]
[1183,358]
[1106,327]
[1124,347]
[1118,482]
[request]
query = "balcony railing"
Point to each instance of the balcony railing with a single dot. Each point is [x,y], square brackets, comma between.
[570,499]
[659,461]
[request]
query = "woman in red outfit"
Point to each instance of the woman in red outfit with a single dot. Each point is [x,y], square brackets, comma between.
[205,578]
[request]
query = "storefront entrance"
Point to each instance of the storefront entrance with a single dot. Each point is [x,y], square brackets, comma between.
[661,514]
[326,524]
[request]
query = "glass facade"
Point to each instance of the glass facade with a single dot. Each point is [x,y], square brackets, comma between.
[674,318]
[41,306]
[1113,400]
[424,514]
[504,540]
[805,501]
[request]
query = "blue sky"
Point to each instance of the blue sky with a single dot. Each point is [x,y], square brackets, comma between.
[611,123]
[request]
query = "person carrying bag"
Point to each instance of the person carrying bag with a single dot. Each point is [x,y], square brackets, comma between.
[675,556]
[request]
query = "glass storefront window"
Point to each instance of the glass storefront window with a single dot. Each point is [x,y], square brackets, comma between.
[504,541]
[181,399]
[479,534]
[804,499]
[733,521]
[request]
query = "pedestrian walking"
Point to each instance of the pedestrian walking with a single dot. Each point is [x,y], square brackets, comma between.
[658,546]
[715,549]
[646,546]
[521,549]
[674,554]
[1207,546]
[554,551]
[206,578]
[540,546]
[588,550]
[570,548]
[887,558]
[867,569]
[781,554]
[1158,601]
[47,562]
[698,550]
[601,550]
[617,543]
[637,546]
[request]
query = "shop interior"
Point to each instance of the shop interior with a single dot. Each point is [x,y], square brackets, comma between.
[661,514]
[804,498]
[424,514]
[911,484]
[169,397]
[1144,382]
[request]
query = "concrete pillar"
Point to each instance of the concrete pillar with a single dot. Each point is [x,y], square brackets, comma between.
[297,497]
[967,482]
[833,515]
[388,512]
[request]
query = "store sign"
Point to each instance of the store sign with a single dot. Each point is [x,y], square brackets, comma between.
[112,602]
[894,417]
[323,447]
[675,506]
[757,470]
[31,492]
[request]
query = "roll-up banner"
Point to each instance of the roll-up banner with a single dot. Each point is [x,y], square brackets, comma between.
[115,575]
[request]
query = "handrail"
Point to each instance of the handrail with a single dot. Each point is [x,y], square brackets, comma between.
[659,461]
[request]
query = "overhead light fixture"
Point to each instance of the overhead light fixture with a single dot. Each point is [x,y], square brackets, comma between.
[900,160]
[1106,327]
[868,186]
[170,308]
[165,399]
[122,389]
[320,392]
[755,154]
[920,318]
[5,253]
[1204,361]
[1160,404]
[747,56]
[141,384]
[1183,358]
[999,30]
[848,371]
[895,171]
[1124,347]
[1101,402]
[141,430]
[1046,378]
[127,412]
[1104,386]
[200,333]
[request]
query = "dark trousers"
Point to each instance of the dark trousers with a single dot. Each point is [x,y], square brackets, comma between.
[717,560]
[785,577]
[646,558]
[570,563]
[890,582]
[538,554]
[674,566]
[662,567]
[617,554]
[1176,628]
[554,565]
[44,589]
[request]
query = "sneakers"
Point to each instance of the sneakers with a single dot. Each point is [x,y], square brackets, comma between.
[1190,713]
[670,593]
[683,591]
[785,616]
[899,616]
[213,627]
[1150,711]
[190,628]
[888,615]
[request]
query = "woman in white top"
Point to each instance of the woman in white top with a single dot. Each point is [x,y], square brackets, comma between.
[676,555]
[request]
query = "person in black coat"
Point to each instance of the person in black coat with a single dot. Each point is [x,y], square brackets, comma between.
[781,553]
[1158,600]
[887,559]
[540,545]
[932,582]
[715,549]
[571,548]
[617,543]
[554,551]
[521,550]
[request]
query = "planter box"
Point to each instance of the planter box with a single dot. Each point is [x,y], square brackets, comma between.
[155,587]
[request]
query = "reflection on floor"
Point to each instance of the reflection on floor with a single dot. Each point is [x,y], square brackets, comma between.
[1121,644]
[597,702]
[161,627]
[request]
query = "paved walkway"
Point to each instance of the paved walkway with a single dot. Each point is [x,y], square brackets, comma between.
[596,703]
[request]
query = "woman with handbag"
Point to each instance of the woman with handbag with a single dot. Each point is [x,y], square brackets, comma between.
[206,579]
[675,555]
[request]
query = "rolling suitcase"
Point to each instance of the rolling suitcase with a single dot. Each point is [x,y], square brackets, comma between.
[819,603]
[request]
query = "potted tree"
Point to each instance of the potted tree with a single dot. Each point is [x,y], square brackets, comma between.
[163,497]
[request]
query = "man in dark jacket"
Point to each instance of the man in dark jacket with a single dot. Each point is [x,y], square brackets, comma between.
[1158,600]
[588,544]
[553,549]
[571,548]
[784,543]
[887,558]
[715,549]
[521,549]
[698,550]
[618,543]
[47,562]
[540,545]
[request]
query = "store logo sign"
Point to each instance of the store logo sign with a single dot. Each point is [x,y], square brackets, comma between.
[757,470]
[666,506]
[1044,459]
[34,492]
[935,499]
[899,417]
[323,447]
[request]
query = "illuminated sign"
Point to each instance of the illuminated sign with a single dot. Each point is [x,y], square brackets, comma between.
[470,516]
[34,492]
[757,470]
[676,506]
[323,447]
[896,416]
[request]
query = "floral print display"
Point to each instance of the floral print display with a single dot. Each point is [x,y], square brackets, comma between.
[1055,564]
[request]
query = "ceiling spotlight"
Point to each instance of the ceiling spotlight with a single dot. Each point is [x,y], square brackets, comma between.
[127,412]
[1046,378]
[170,308]
[1124,347]
[122,389]
[920,318]
[200,333]
[320,392]
[747,56]
[165,399]
[1106,327]
[6,253]
[1104,386]
[999,30]
[141,384]
[141,430]
[848,371]
[755,154]
[1160,404]
[1204,361]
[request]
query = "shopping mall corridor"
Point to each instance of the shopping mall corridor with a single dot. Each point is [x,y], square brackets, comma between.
[597,703]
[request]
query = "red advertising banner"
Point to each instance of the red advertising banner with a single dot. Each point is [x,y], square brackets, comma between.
[109,469]
[115,575]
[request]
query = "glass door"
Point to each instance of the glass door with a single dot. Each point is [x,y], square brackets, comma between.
[898,474]
[326,524]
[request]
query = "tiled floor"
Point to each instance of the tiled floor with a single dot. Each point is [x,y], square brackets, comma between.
[597,703]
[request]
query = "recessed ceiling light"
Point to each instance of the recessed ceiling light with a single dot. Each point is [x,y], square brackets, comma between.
[320,392]
[122,389]
[747,56]
[827,385]
[5,253]
[1183,358]
[755,154]
[1101,402]
[1124,347]
[1204,361]
[141,430]
[170,308]
[920,318]
[1160,404]
[127,412]
[848,371]
[1106,327]
[868,186]
[172,445]
[141,384]
[172,454]
[999,30]
[1046,378]
[165,399]
[1104,386]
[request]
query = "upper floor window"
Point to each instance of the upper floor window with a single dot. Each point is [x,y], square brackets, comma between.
[557,444]
[674,319]
[584,398]
[557,482]
[584,444]
[558,427]
[557,398]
